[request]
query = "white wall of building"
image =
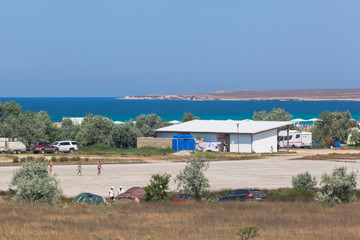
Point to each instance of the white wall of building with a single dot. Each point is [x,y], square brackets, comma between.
[262,142]
[165,135]
[243,143]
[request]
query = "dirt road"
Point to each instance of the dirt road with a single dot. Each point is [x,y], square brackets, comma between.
[263,173]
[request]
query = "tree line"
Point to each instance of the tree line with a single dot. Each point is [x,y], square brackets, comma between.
[331,125]
[29,127]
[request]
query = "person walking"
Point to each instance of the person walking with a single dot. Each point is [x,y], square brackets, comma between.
[79,168]
[225,146]
[121,190]
[111,194]
[51,165]
[271,151]
[99,167]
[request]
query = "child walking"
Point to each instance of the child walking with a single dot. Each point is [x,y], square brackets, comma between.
[79,168]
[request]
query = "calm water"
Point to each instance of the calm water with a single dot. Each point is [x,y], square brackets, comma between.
[123,110]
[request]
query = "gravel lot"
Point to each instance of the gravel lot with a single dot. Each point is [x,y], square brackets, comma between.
[264,173]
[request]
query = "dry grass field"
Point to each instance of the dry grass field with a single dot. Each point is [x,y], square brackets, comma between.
[275,220]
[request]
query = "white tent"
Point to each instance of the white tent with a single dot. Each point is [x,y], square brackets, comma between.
[297,120]
[314,120]
[174,122]
[118,122]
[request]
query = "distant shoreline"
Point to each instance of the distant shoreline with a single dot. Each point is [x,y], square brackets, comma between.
[261,95]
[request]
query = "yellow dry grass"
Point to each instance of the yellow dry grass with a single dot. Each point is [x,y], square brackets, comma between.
[275,220]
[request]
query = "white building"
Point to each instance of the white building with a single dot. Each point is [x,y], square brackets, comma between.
[241,136]
[75,120]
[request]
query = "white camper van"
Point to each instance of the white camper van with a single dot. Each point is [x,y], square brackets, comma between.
[296,139]
[8,145]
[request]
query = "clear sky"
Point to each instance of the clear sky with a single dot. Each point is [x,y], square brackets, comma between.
[114,48]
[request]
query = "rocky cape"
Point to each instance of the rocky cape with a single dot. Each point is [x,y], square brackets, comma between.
[256,95]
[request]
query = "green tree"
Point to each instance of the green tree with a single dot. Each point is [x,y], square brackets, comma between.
[276,114]
[303,181]
[192,178]
[355,137]
[336,125]
[189,117]
[124,135]
[68,130]
[9,109]
[147,124]
[158,188]
[95,129]
[28,127]
[33,183]
[337,187]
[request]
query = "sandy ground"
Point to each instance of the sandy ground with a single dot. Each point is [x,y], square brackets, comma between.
[263,173]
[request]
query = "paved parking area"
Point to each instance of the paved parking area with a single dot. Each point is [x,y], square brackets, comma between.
[264,173]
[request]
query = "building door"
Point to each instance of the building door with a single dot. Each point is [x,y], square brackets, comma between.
[225,142]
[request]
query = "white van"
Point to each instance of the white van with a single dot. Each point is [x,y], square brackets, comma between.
[296,139]
[66,146]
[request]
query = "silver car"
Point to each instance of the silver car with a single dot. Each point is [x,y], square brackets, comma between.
[66,146]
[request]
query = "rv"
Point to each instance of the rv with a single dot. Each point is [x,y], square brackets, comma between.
[8,145]
[296,139]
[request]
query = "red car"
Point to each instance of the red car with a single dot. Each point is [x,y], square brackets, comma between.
[44,147]
[186,197]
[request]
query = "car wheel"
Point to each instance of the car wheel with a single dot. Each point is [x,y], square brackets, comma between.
[56,151]
[71,150]
[18,151]
[42,151]
[14,152]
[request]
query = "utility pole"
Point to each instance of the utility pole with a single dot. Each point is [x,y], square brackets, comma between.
[237,125]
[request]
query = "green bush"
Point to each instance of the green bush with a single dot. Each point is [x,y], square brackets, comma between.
[15,160]
[248,232]
[303,181]
[63,159]
[158,188]
[289,195]
[33,183]
[75,159]
[192,179]
[337,187]
[53,159]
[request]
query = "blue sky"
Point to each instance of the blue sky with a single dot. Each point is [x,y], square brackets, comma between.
[115,48]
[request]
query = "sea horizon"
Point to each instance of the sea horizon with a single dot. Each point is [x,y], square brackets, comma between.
[125,109]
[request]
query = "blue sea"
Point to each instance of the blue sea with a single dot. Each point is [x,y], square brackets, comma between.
[123,110]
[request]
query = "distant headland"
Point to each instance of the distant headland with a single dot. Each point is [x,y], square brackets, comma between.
[257,95]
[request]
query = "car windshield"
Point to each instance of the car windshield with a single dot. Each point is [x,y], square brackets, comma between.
[55,143]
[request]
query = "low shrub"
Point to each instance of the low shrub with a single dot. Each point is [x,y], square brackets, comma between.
[290,195]
[303,181]
[337,187]
[158,188]
[248,232]
[15,160]
[75,159]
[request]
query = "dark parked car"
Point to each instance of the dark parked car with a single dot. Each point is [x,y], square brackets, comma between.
[185,197]
[244,194]
[44,147]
